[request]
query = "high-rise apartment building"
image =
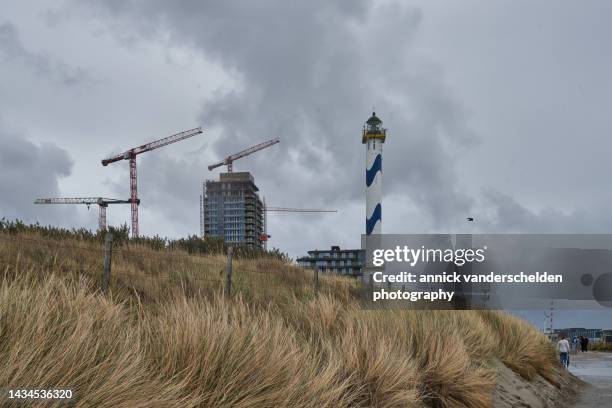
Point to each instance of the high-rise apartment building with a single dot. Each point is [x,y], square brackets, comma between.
[231,209]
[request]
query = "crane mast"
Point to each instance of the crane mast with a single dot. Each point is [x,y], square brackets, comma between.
[228,161]
[131,156]
[100,201]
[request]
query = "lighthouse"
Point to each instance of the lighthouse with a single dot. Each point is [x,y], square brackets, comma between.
[373,137]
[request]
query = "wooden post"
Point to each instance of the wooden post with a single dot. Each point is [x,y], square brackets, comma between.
[108,253]
[228,273]
[316,279]
[370,289]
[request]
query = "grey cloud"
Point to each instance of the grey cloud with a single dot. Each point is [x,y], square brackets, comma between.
[170,185]
[28,171]
[310,73]
[510,216]
[12,48]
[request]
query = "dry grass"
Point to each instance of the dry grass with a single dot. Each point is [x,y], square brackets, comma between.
[600,347]
[165,336]
[57,334]
[522,348]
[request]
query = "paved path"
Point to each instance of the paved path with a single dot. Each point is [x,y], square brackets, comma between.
[595,369]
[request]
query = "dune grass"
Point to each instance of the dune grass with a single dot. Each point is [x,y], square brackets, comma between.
[600,347]
[165,336]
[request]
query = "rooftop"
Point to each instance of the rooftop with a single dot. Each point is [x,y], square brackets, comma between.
[238,176]
[334,248]
[374,120]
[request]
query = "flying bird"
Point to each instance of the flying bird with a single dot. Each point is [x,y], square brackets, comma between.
[470,218]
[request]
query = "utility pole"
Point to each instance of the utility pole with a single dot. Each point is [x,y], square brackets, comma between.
[550,318]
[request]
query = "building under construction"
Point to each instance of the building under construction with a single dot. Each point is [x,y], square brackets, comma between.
[231,209]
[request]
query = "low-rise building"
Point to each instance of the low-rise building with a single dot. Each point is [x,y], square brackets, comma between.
[593,335]
[336,260]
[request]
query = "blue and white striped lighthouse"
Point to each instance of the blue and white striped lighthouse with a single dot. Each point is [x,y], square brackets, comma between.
[373,137]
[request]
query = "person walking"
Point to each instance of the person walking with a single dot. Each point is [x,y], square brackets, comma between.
[564,348]
[584,344]
[574,345]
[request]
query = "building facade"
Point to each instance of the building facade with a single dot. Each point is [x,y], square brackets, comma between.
[594,335]
[335,260]
[231,209]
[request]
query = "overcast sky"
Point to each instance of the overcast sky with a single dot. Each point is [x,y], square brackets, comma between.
[499,110]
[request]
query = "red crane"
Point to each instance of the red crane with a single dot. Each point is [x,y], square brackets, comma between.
[264,237]
[131,156]
[230,159]
[102,203]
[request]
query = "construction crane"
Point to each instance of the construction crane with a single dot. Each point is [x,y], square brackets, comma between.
[264,237]
[230,159]
[284,209]
[131,156]
[100,201]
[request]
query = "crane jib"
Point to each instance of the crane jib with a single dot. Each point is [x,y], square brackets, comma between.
[231,158]
[129,154]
